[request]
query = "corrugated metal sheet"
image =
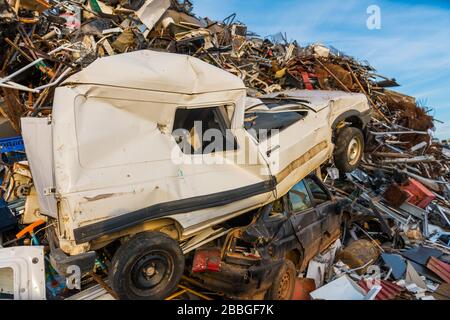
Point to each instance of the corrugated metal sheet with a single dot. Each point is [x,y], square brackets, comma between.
[439,267]
[389,290]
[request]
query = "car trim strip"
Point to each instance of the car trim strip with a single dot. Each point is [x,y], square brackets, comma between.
[311,153]
[119,223]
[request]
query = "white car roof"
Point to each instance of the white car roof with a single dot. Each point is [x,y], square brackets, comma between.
[157,71]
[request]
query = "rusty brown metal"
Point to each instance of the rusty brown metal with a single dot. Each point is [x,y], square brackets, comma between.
[395,196]
[303,287]
[389,290]
[360,255]
[439,267]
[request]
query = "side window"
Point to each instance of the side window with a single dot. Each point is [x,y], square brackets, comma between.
[203,130]
[6,283]
[319,194]
[299,198]
[278,211]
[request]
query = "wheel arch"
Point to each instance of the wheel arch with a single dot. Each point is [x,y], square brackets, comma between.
[168,226]
[296,255]
[355,117]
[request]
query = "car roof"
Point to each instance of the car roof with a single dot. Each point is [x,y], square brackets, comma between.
[157,71]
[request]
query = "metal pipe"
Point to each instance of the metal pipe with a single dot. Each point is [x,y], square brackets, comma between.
[13,85]
[54,82]
[28,66]
[31,64]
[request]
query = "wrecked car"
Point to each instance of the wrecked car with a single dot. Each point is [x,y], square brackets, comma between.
[302,117]
[261,260]
[123,159]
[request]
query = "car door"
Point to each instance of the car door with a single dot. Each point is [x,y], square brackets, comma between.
[305,220]
[219,161]
[295,150]
[326,210]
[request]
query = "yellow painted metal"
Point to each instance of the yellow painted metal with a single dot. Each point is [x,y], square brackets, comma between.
[198,294]
[179,293]
[186,289]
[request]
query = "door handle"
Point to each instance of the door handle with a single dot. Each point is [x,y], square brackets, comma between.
[269,153]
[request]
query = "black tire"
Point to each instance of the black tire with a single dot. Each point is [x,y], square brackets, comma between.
[349,149]
[284,283]
[145,253]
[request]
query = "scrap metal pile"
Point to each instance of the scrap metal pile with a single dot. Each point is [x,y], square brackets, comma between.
[403,182]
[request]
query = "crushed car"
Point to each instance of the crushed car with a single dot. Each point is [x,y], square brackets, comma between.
[123,159]
[261,260]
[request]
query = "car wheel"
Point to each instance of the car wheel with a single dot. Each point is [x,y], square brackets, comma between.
[349,149]
[147,267]
[284,283]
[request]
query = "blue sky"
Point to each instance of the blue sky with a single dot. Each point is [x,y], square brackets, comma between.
[412,46]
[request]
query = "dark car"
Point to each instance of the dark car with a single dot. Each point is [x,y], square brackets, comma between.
[261,260]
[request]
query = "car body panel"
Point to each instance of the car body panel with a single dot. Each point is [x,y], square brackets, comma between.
[37,135]
[22,273]
[308,230]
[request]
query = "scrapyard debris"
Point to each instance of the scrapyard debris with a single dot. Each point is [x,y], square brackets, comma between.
[400,195]
[343,288]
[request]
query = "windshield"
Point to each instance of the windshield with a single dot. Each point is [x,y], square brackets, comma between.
[262,123]
[274,103]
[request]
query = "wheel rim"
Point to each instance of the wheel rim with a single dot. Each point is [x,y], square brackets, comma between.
[151,269]
[354,151]
[285,286]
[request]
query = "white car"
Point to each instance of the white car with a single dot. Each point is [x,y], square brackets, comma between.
[111,163]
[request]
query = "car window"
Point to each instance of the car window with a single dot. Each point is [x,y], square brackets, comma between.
[299,197]
[203,130]
[318,192]
[278,211]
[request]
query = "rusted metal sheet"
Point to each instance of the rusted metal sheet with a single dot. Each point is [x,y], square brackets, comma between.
[395,196]
[439,267]
[303,287]
[360,254]
[389,290]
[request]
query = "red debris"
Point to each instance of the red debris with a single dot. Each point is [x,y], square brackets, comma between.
[206,260]
[389,290]
[439,267]
[303,287]
[418,194]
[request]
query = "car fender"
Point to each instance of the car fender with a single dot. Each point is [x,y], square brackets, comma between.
[363,117]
